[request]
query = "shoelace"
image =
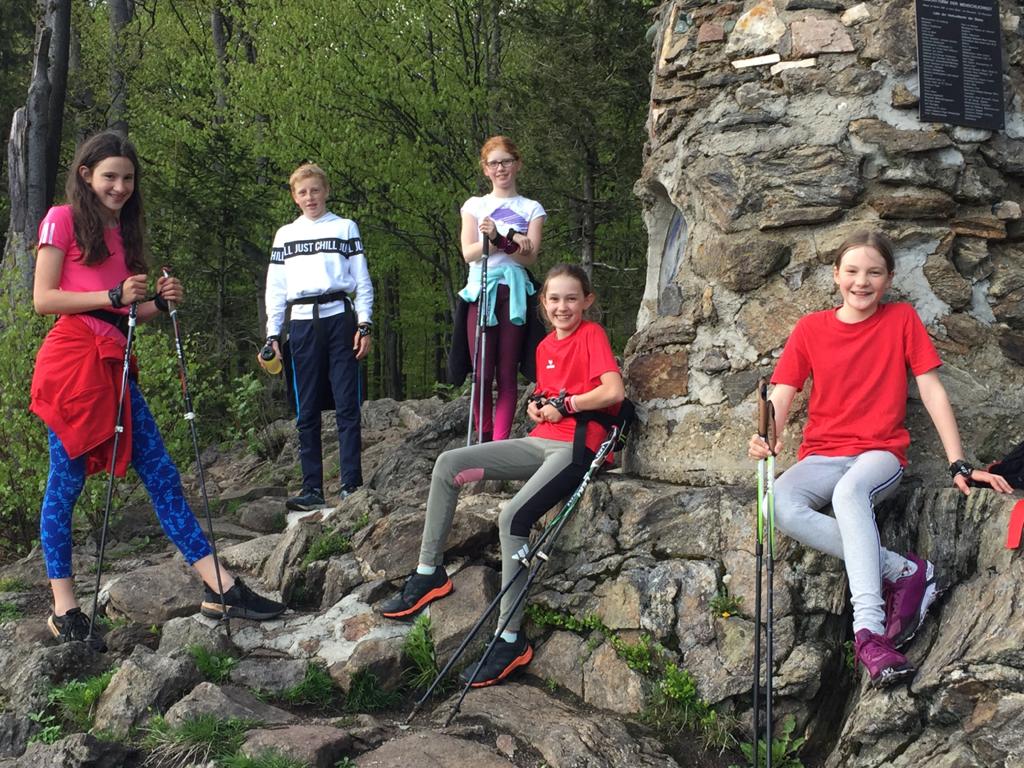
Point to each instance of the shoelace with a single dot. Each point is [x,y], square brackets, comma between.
[76,627]
[873,649]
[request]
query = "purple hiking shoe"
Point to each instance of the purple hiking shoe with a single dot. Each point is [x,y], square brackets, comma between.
[885,664]
[907,601]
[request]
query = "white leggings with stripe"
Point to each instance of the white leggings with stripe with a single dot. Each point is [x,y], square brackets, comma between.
[852,485]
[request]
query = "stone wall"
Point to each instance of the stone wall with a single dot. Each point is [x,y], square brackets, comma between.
[755,173]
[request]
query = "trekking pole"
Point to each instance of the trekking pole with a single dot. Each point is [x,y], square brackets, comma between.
[524,556]
[534,558]
[190,417]
[90,638]
[765,527]
[479,352]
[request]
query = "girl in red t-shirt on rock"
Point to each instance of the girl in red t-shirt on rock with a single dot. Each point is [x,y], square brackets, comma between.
[576,360]
[854,445]
[90,268]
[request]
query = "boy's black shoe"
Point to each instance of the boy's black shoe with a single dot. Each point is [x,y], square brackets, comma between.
[419,591]
[74,625]
[504,659]
[308,500]
[241,602]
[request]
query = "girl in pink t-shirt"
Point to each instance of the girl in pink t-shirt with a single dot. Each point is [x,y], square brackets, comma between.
[854,446]
[90,268]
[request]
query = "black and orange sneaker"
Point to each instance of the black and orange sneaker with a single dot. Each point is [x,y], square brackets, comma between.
[419,591]
[505,658]
[241,603]
[74,625]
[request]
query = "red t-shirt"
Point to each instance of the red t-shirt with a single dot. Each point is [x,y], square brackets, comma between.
[859,397]
[575,364]
[58,229]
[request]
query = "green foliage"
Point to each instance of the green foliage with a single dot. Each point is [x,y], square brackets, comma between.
[725,605]
[345,762]
[676,704]
[50,729]
[13,584]
[418,648]
[24,456]
[9,612]
[195,741]
[638,656]
[214,667]
[327,545]
[316,689]
[77,699]
[270,759]
[784,748]
[366,695]
[361,522]
[849,655]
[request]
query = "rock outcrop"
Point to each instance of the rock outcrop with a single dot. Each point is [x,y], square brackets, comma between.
[755,173]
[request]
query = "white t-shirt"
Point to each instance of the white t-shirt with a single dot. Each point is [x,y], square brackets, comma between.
[508,213]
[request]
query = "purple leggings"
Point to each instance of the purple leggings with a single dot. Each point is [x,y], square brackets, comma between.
[502,351]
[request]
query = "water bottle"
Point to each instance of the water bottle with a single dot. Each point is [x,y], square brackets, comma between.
[273,362]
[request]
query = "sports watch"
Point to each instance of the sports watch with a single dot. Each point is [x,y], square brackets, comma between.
[960,467]
[115,296]
[365,329]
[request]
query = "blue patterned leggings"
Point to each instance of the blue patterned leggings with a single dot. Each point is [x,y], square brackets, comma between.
[158,473]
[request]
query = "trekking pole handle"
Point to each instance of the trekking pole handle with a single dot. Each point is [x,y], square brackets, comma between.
[766,415]
[165,270]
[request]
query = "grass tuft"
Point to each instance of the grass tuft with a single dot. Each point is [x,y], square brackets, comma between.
[316,689]
[214,667]
[418,648]
[327,545]
[77,699]
[196,741]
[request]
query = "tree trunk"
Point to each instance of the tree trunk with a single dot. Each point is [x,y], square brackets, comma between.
[120,13]
[587,218]
[26,169]
[58,19]
[220,48]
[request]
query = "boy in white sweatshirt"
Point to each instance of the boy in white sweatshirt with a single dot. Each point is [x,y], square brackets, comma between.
[318,271]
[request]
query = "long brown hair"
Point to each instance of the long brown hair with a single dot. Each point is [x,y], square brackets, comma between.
[88,212]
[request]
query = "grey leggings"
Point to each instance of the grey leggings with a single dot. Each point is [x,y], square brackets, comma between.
[550,476]
[852,485]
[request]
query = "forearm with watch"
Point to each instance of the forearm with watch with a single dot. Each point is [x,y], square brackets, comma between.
[961,468]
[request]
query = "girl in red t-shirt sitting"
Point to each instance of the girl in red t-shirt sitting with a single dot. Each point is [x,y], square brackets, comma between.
[575,359]
[90,267]
[854,445]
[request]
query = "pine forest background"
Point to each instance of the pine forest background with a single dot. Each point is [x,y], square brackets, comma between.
[223,98]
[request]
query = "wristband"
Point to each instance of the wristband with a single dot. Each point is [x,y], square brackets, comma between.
[161,303]
[960,467]
[364,330]
[559,403]
[114,294]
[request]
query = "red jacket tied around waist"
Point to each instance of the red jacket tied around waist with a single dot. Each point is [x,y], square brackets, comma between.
[75,390]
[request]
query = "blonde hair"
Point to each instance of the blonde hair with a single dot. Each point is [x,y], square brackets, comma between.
[305,171]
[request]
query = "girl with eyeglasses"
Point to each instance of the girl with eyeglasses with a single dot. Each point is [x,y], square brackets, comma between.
[513,225]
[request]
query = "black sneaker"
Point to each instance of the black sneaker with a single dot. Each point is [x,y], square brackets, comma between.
[346,491]
[242,603]
[308,500]
[504,659]
[74,625]
[419,591]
